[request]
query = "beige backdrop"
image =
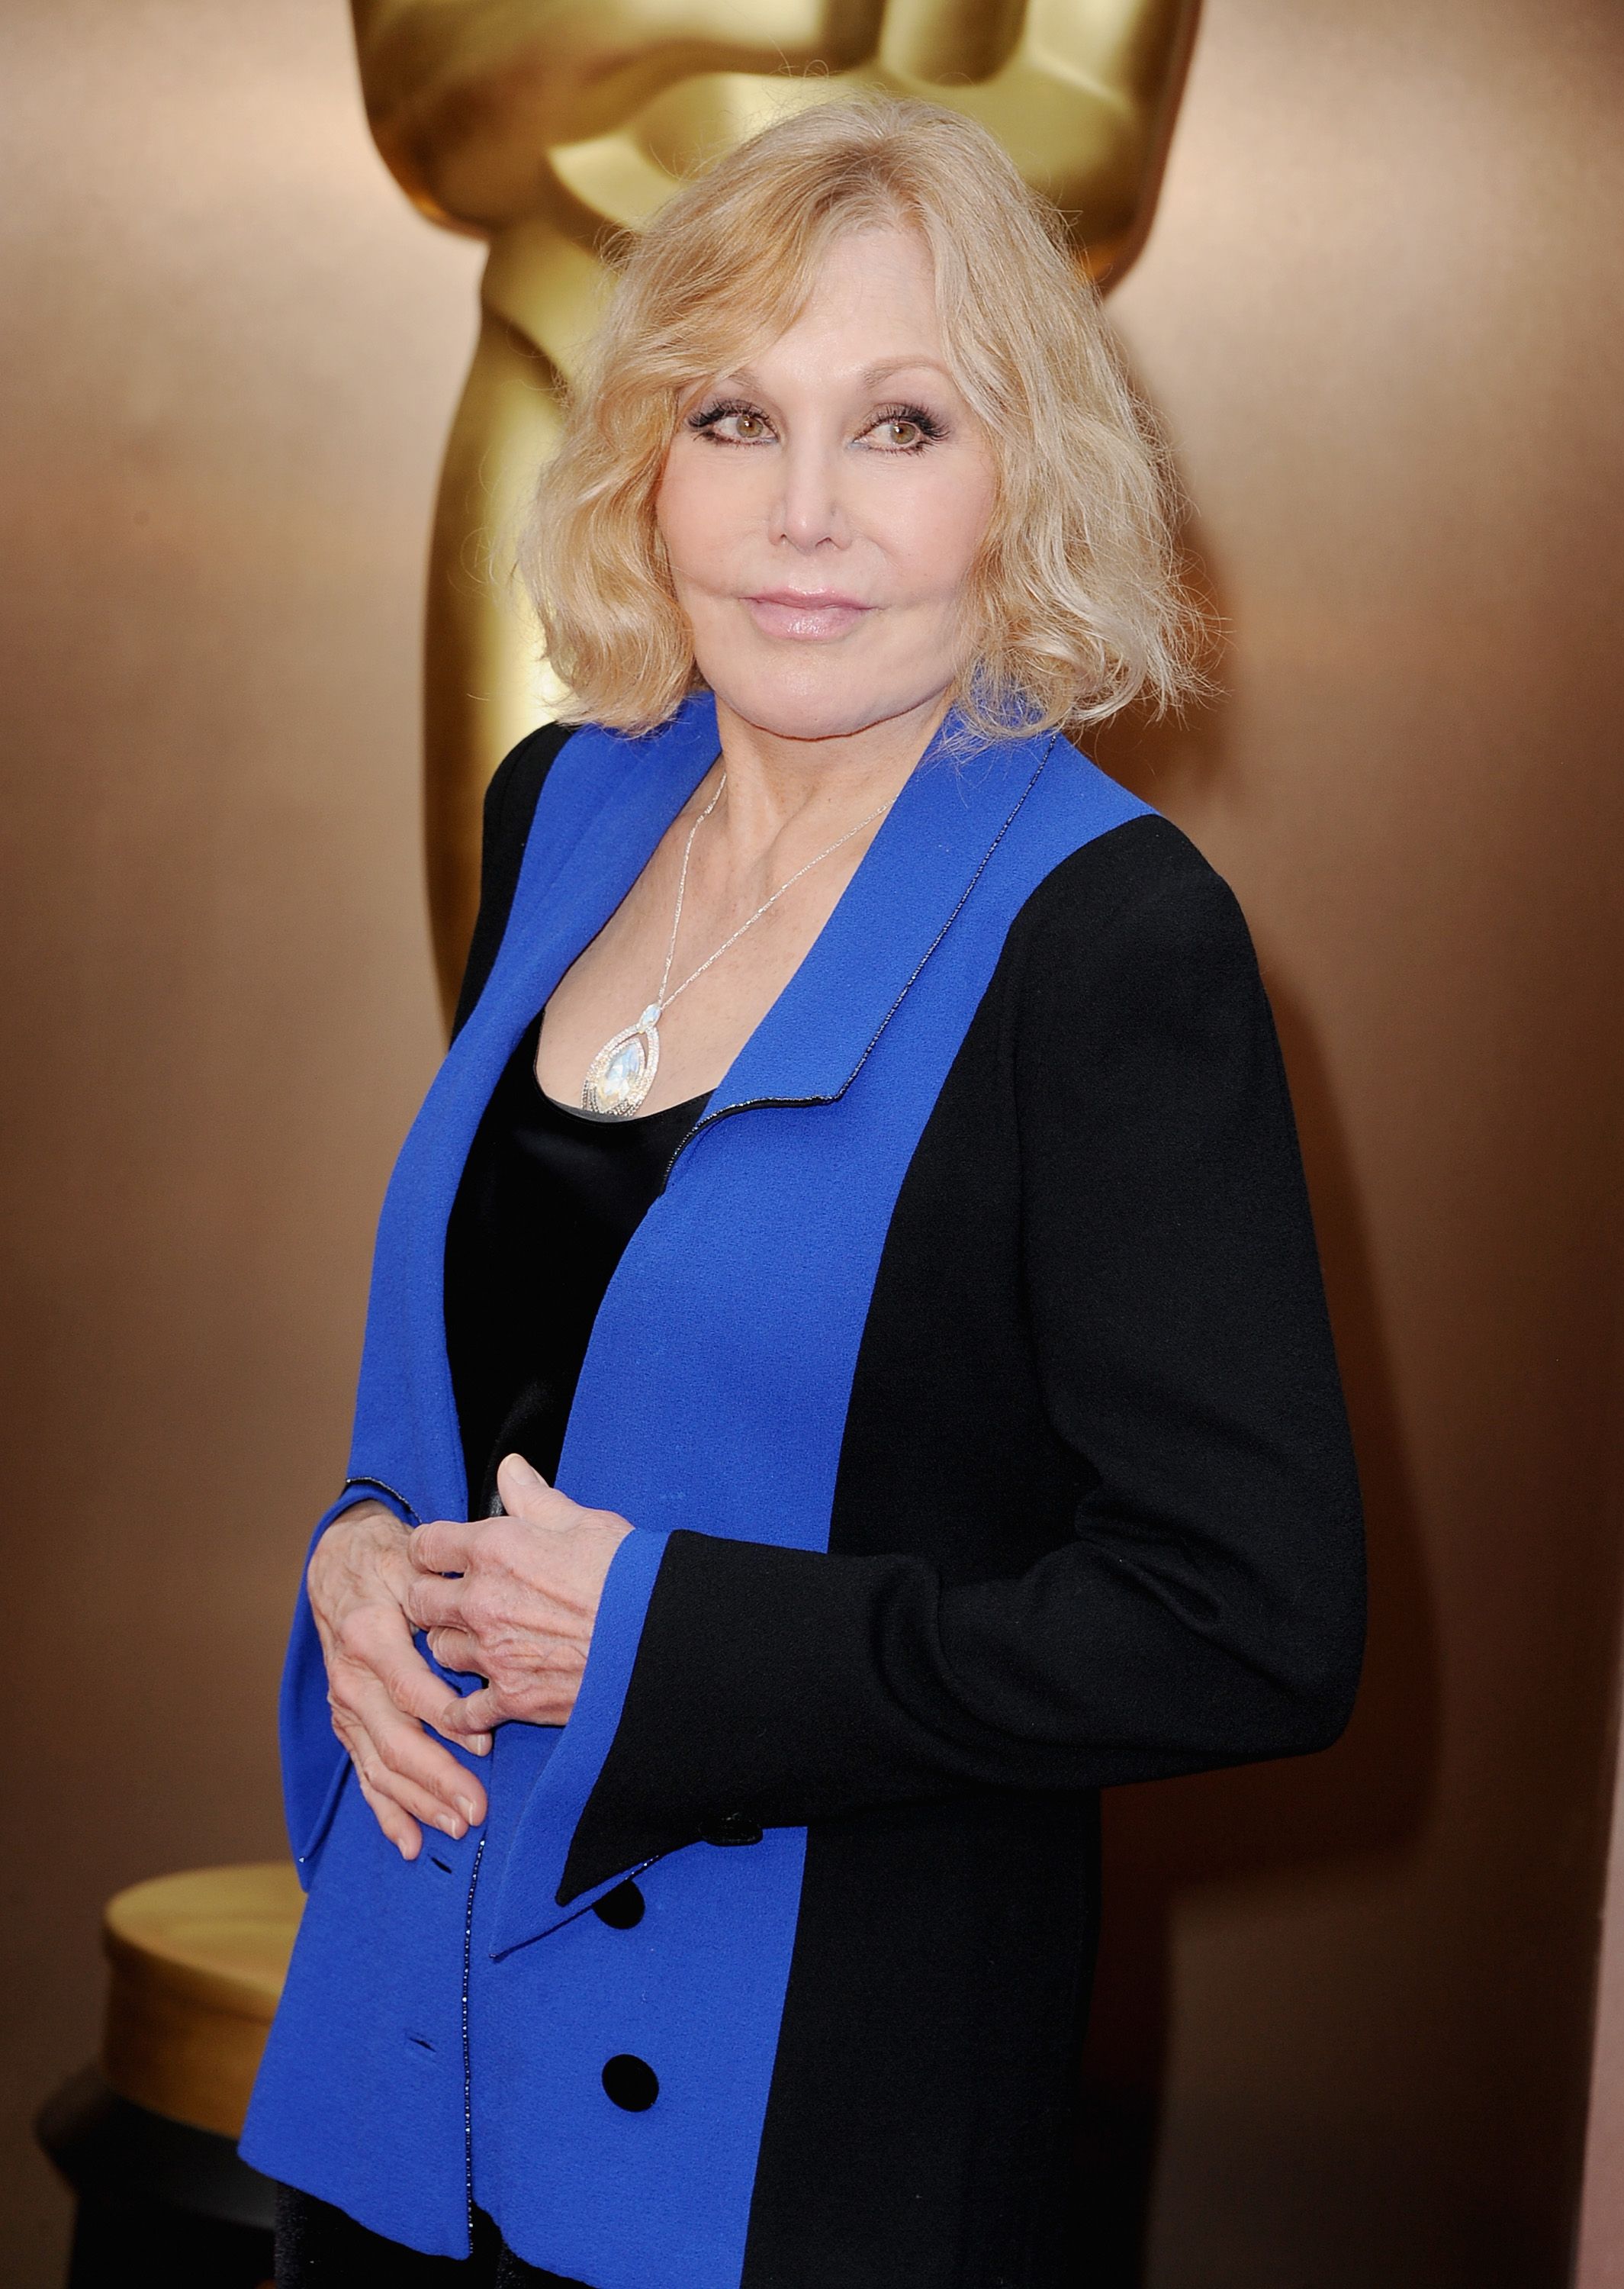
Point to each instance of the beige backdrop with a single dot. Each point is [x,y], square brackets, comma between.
[1378,309]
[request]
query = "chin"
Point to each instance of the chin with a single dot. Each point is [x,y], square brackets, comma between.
[832,703]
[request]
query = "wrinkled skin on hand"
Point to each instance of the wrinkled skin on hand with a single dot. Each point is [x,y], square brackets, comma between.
[511,1600]
[515,1599]
[381,1691]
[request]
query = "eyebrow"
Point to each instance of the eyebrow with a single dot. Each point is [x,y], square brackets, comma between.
[870,378]
[872,374]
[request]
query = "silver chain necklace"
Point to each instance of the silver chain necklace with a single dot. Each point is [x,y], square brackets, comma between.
[622,1073]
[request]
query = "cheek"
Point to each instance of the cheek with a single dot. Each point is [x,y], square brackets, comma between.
[941,535]
[697,518]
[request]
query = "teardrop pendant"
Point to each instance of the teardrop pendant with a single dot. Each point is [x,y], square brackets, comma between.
[622,1073]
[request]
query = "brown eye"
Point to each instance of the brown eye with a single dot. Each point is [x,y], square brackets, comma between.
[732,425]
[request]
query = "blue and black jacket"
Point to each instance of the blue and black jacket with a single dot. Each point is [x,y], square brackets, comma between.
[970,1387]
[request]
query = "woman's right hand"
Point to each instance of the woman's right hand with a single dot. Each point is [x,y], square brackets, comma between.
[381,1691]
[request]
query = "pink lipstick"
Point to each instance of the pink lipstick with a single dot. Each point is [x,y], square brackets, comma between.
[809,615]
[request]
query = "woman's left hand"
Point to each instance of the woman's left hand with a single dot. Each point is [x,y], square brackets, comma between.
[522,1595]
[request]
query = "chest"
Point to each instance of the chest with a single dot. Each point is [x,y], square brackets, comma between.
[714,949]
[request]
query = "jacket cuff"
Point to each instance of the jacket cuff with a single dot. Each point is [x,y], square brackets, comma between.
[536,1895]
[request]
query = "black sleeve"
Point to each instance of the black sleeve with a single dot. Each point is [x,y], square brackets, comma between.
[510,806]
[1208,1607]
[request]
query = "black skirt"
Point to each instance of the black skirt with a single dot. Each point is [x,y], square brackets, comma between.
[319,2247]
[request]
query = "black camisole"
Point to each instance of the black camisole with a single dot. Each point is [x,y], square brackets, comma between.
[548,1200]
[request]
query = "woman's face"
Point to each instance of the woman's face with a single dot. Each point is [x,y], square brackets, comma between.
[821,506]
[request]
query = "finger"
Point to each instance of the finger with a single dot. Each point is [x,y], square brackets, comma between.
[480,1739]
[478,1742]
[432,1602]
[418,1804]
[413,1686]
[428,1780]
[488,1707]
[379,1787]
[378,1637]
[457,1650]
[442,1791]
[444,1545]
[479,1715]
[402,1830]
[417,1692]
[525,1493]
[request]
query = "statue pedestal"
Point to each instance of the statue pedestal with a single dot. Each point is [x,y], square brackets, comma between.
[147,2140]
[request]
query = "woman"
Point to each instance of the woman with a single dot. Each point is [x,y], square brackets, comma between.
[846,1342]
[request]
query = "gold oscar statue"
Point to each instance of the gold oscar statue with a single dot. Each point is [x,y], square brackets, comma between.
[544,126]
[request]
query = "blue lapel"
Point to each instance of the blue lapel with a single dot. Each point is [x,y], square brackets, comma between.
[605,804]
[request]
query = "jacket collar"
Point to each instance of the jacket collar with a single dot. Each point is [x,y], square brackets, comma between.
[914,877]
[918,872]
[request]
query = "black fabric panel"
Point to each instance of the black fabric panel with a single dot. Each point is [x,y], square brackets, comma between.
[548,1200]
[320,2247]
[1097,1518]
[921,2124]
[549,1195]
[510,805]
[922,2119]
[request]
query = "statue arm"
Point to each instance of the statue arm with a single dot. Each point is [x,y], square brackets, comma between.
[464,97]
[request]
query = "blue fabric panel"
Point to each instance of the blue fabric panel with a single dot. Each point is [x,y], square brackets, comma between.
[659,2199]
[360,2097]
[713,1396]
[405,1438]
[605,804]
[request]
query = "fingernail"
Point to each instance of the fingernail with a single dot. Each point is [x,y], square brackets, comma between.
[480,1743]
[454,1826]
[468,1813]
[518,1463]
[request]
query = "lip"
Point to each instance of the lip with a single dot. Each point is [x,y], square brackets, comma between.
[805,615]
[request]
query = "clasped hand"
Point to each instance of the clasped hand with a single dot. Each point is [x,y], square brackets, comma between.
[511,1600]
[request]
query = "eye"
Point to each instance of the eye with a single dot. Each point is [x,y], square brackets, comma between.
[733,423]
[903,430]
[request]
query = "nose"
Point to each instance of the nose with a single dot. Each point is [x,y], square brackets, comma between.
[810,512]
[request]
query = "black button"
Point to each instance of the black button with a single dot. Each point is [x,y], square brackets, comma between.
[733,1828]
[631,2083]
[621,1908]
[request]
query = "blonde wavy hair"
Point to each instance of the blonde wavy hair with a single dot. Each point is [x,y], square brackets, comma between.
[1076,605]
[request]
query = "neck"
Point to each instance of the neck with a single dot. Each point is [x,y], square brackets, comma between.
[773,781]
